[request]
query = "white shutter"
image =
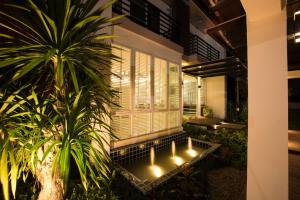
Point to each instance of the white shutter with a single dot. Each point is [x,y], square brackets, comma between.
[160,84]
[121,80]
[173,86]
[173,119]
[142,81]
[141,123]
[159,121]
[121,126]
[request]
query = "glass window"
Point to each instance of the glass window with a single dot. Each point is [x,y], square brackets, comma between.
[173,86]
[160,84]
[142,81]
[120,80]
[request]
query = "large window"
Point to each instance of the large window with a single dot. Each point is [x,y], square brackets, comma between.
[173,86]
[142,81]
[148,94]
[120,80]
[160,83]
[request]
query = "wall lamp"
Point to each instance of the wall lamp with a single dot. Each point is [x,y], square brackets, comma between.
[297,26]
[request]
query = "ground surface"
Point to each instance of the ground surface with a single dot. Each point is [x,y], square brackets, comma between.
[227,184]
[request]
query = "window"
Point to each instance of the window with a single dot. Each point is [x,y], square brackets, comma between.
[173,86]
[120,81]
[160,84]
[121,126]
[142,81]
[173,119]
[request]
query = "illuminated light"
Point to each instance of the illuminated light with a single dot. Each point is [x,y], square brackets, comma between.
[156,171]
[156,142]
[297,37]
[216,126]
[192,153]
[152,156]
[223,123]
[122,152]
[141,146]
[184,63]
[297,26]
[177,160]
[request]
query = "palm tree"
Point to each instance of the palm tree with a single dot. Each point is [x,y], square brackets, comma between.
[54,91]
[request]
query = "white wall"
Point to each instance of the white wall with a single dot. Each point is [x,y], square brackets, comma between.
[138,42]
[216,95]
[209,40]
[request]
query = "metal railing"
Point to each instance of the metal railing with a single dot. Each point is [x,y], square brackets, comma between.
[198,46]
[149,16]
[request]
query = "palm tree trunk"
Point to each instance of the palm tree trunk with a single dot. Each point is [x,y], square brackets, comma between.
[51,186]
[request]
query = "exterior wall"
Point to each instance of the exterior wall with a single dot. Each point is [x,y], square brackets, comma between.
[209,40]
[161,5]
[216,95]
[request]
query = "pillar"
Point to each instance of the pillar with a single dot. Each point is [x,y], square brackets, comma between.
[267,171]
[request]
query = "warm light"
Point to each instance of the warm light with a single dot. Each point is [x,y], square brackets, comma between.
[122,152]
[297,37]
[156,171]
[184,63]
[141,146]
[156,142]
[297,26]
[152,156]
[223,123]
[192,152]
[178,160]
[216,126]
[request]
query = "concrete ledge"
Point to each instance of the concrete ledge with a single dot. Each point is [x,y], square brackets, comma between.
[144,32]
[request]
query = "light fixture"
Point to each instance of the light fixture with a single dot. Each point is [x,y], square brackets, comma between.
[297,26]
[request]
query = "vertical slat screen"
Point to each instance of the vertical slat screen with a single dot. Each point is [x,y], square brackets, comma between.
[142,81]
[121,126]
[173,119]
[203,91]
[160,84]
[141,123]
[121,79]
[173,86]
[159,121]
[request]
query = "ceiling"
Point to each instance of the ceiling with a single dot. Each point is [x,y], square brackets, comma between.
[229,19]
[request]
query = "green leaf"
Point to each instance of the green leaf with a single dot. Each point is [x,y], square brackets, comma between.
[27,68]
[4,174]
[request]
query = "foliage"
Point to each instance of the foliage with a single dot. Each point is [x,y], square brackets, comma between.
[234,144]
[54,90]
[234,116]
[207,111]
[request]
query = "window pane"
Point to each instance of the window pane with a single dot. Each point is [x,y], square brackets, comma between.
[174,86]
[160,84]
[120,81]
[142,81]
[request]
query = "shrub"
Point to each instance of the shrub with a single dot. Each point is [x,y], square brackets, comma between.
[234,143]
[207,111]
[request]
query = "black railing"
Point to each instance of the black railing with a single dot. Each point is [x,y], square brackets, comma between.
[149,16]
[198,46]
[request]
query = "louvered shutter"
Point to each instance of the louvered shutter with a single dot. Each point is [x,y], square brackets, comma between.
[173,86]
[141,123]
[120,81]
[142,81]
[121,126]
[159,121]
[160,84]
[173,119]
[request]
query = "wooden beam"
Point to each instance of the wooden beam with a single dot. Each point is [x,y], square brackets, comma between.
[226,24]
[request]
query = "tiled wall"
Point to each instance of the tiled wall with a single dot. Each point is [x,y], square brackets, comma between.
[140,150]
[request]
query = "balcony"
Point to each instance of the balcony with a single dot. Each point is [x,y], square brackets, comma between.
[197,46]
[149,16]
